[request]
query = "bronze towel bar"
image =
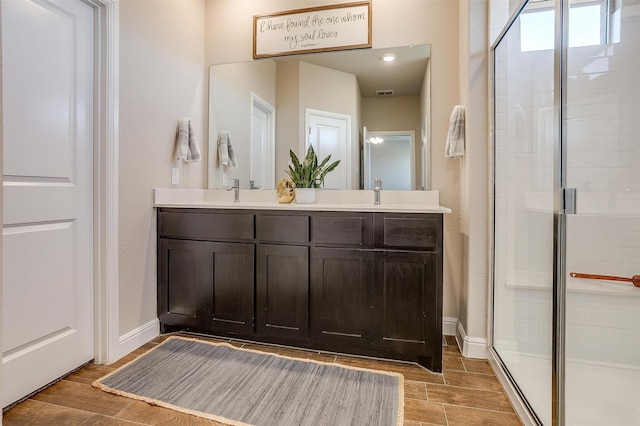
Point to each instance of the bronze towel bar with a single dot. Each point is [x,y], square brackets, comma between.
[635,279]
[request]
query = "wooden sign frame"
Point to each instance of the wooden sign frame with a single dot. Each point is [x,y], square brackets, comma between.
[316,29]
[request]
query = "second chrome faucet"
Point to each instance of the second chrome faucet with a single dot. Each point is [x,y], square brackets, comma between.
[236,190]
[376,191]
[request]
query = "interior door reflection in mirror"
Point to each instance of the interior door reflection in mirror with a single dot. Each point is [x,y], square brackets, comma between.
[265,106]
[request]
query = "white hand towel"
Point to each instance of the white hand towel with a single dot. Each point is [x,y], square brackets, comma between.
[194,148]
[226,156]
[187,148]
[455,136]
[182,139]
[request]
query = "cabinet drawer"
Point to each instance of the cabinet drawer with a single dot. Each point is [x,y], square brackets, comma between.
[349,228]
[206,226]
[407,230]
[282,228]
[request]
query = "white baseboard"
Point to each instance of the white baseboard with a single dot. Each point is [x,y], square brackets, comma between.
[471,347]
[449,325]
[138,337]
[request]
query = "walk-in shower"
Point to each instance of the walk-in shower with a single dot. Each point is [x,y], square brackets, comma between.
[566,126]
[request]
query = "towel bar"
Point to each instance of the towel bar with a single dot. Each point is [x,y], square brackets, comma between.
[635,279]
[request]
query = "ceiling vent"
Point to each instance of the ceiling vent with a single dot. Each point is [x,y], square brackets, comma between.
[385,92]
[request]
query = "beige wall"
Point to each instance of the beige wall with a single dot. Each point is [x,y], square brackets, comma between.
[343,98]
[165,49]
[229,38]
[162,78]
[474,173]
[288,114]
[396,113]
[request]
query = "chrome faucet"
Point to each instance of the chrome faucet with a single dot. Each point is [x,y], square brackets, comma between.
[376,192]
[236,190]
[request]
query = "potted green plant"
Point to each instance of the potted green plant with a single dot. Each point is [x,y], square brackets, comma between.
[308,174]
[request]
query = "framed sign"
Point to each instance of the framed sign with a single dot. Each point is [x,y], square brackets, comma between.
[316,29]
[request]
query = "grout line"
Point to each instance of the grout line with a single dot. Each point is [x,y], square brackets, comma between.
[113,418]
[93,413]
[481,409]
[453,387]
[124,408]
[446,418]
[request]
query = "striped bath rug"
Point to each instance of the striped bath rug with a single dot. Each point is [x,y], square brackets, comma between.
[237,386]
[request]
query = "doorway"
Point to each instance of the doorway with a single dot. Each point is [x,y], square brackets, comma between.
[389,156]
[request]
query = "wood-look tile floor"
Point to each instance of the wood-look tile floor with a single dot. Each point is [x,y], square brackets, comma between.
[467,393]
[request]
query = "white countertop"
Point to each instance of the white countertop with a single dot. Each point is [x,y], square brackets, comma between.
[326,200]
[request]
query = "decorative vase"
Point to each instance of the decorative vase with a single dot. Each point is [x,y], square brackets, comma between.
[305,195]
[285,191]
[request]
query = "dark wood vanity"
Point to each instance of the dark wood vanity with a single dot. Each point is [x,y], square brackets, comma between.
[366,283]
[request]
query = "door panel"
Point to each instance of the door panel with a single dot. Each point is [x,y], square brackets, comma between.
[404,319]
[282,291]
[341,296]
[524,217]
[181,279]
[329,134]
[47,52]
[229,277]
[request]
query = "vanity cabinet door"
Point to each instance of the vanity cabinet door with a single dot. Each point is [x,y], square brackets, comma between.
[282,291]
[406,306]
[341,297]
[229,277]
[181,283]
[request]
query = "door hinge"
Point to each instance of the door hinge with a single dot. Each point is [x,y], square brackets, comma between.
[569,200]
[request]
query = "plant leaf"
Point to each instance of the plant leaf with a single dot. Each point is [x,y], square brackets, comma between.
[309,174]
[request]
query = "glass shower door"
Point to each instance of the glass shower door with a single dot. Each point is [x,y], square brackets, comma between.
[602,365]
[523,199]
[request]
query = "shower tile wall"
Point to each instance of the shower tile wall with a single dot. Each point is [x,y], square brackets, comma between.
[603,163]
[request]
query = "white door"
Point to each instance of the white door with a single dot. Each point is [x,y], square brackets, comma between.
[47,48]
[330,134]
[262,170]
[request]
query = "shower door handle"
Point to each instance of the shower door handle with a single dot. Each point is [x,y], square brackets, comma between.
[569,200]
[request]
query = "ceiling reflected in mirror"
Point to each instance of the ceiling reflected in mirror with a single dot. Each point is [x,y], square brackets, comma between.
[403,76]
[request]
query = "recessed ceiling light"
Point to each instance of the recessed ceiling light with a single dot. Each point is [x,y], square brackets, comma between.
[388,57]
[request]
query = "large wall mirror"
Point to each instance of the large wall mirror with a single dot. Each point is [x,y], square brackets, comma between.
[368,112]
